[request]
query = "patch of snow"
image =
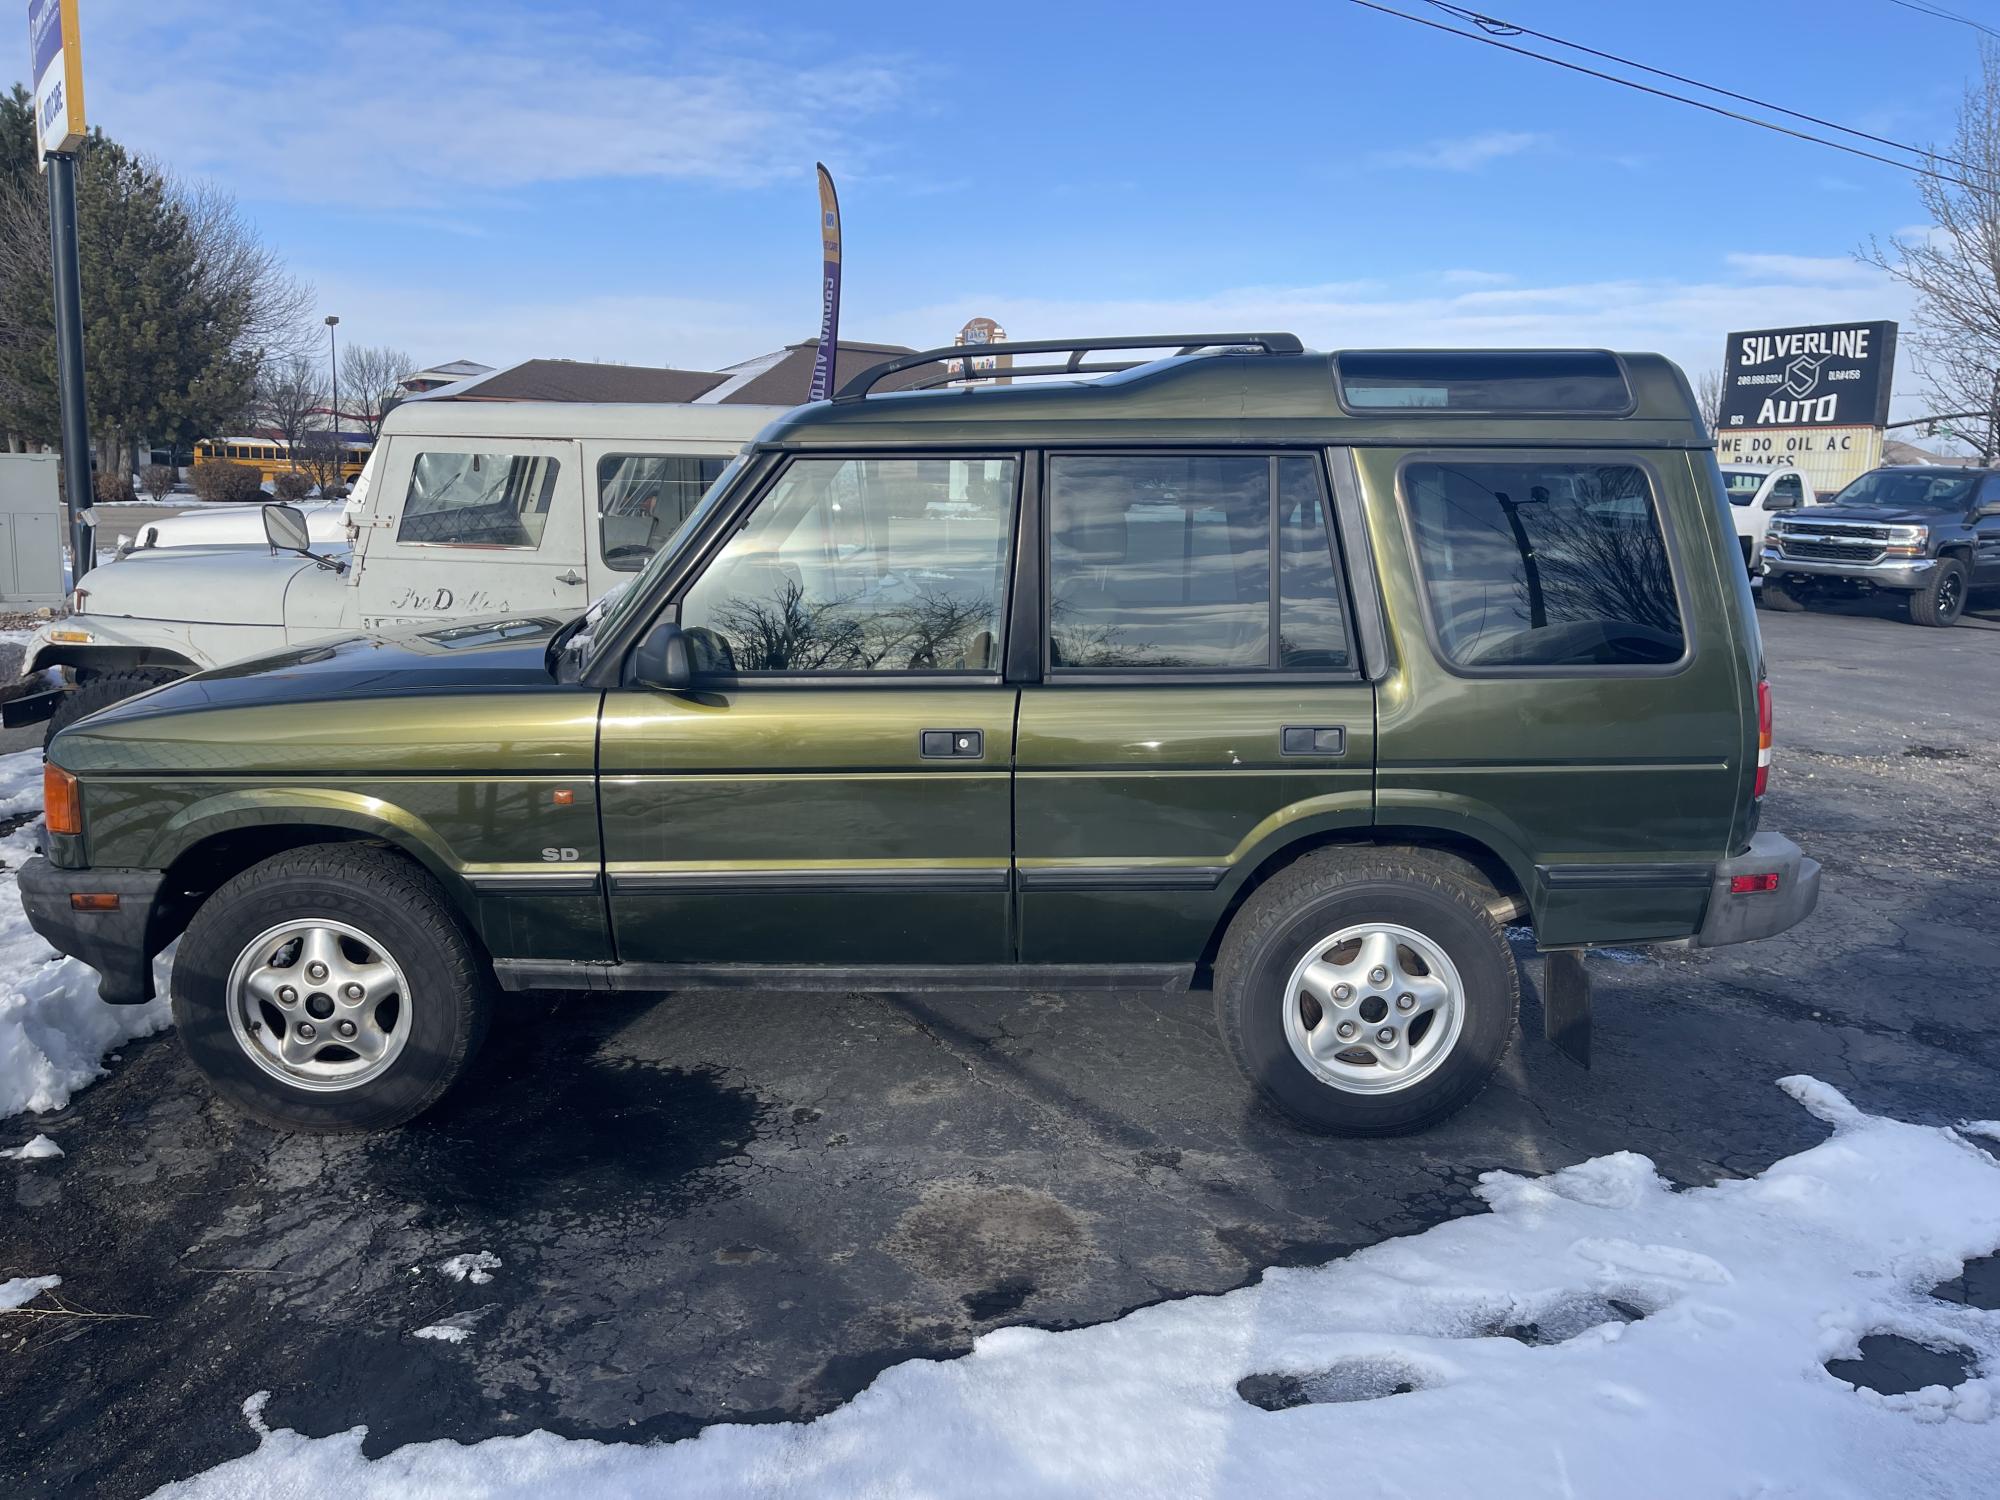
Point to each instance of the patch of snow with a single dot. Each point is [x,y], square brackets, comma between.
[478,1267]
[54,1031]
[25,1289]
[1693,1370]
[41,1148]
[446,1333]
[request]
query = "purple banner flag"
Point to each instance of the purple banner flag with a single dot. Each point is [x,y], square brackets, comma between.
[829,291]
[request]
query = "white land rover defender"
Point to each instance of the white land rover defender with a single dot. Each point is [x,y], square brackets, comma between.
[465,508]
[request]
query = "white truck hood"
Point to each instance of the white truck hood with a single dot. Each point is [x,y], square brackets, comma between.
[244,585]
[239,526]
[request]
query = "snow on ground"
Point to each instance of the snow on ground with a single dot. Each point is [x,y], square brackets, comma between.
[444,1333]
[54,1031]
[25,1289]
[41,1148]
[1740,1291]
[478,1267]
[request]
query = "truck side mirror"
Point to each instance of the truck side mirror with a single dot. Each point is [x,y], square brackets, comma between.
[662,660]
[1777,501]
[286,530]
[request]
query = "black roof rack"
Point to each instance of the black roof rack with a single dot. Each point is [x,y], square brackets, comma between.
[1076,364]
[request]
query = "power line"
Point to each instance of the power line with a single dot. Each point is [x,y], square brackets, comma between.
[1945,15]
[1493,26]
[1646,88]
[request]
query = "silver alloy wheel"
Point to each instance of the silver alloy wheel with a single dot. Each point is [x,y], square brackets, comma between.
[1374,1008]
[318,1005]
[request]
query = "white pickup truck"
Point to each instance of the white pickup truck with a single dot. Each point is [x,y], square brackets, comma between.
[465,508]
[1757,492]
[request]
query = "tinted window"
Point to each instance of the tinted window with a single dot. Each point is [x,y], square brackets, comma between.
[861,565]
[1543,563]
[1538,380]
[642,499]
[478,500]
[1911,489]
[1787,487]
[1168,563]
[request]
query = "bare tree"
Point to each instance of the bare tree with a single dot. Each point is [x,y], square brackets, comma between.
[1954,268]
[319,454]
[1708,398]
[373,375]
[289,400]
[242,273]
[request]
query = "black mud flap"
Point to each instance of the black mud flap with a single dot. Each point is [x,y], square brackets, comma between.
[31,708]
[1566,1005]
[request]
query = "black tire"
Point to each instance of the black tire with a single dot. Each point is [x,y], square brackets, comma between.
[102,692]
[402,908]
[1942,598]
[1775,595]
[1320,895]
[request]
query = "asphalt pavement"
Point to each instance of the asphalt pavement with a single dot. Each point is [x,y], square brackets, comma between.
[742,1207]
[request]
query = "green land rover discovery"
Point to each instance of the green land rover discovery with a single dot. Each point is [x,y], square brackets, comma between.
[1303,674]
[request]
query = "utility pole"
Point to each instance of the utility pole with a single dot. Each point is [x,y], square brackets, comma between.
[333,359]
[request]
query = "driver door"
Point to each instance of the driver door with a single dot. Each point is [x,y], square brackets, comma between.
[474,526]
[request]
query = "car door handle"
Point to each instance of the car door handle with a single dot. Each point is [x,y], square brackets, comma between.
[572,576]
[951,744]
[1313,739]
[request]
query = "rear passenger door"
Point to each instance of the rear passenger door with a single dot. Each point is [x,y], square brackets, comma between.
[474,526]
[1199,703]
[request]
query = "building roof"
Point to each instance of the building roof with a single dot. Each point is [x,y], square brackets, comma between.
[784,376]
[456,369]
[576,380]
[1895,451]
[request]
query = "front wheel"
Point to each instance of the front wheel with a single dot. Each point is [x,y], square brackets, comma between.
[1366,993]
[1942,598]
[102,692]
[330,988]
[1778,596]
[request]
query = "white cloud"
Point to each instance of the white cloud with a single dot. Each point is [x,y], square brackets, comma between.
[1811,268]
[446,99]
[1466,276]
[1463,153]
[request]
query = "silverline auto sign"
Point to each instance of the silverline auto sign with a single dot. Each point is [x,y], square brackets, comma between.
[1833,375]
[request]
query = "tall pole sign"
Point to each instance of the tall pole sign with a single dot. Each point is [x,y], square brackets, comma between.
[829,289]
[1816,398]
[57,52]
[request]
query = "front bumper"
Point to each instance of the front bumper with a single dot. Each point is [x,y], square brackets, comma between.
[119,944]
[1896,573]
[1761,914]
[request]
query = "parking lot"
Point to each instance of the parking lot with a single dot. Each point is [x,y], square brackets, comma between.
[741,1208]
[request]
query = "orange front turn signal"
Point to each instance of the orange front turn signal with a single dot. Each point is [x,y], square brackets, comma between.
[61,805]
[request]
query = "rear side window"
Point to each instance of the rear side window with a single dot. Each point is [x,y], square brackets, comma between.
[478,500]
[642,499]
[1571,382]
[1543,563]
[1192,563]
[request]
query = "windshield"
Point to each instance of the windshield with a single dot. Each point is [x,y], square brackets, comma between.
[632,596]
[1742,487]
[1911,489]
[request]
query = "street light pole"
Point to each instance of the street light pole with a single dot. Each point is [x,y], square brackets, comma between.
[333,358]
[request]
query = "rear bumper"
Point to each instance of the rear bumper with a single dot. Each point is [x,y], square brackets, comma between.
[1761,914]
[1902,573]
[118,944]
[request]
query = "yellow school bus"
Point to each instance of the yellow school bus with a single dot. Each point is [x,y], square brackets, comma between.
[271,457]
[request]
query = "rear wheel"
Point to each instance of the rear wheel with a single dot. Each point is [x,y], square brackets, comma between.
[1367,993]
[330,988]
[1777,595]
[102,692]
[1942,598]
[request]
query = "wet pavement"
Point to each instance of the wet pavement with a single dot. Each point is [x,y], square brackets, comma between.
[728,1207]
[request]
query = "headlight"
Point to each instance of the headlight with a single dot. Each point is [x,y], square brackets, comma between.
[1908,541]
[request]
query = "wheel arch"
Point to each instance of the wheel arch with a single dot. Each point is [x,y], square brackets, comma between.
[100,660]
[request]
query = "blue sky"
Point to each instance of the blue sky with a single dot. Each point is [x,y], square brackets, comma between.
[634,181]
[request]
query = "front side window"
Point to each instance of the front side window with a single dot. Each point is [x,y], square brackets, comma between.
[1168,563]
[478,500]
[642,499]
[1543,563]
[1788,487]
[861,565]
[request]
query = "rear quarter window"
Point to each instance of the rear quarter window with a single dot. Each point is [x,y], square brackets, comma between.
[1540,563]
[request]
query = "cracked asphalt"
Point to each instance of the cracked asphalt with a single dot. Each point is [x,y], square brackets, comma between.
[741,1208]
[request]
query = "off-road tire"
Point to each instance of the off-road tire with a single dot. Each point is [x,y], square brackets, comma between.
[1319,895]
[1775,596]
[1942,598]
[387,896]
[102,692]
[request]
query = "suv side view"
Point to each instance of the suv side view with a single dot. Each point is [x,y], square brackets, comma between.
[1305,671]
[1931,534]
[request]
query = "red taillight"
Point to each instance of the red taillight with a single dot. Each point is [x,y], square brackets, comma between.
[1752,885]
[1763,737]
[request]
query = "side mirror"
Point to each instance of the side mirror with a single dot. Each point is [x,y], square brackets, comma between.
[1990,508]
[1776,501]
[285,528]
[662,660]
